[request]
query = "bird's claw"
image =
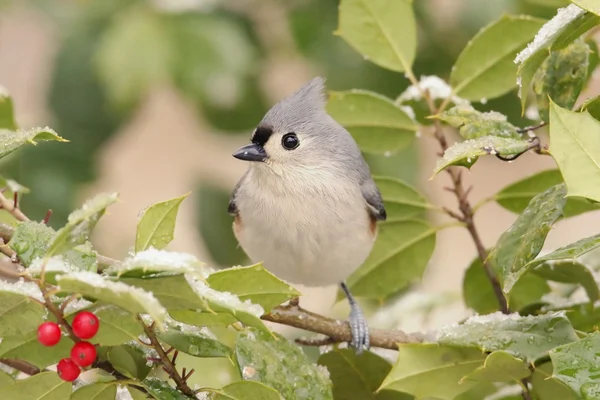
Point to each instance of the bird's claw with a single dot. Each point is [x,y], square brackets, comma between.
[359,328]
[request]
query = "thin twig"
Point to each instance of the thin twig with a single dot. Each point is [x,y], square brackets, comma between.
[22,366]
[531,128]
[12,207]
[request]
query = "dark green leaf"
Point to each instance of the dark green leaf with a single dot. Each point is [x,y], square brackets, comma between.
[95,391]
[247,390]
[377,124]
[500,366]
[402,201]
[31,240]
[474,124]
[161,390]
[253,283]
[43,386]
[282,365]
[516,196]
[27,347]
[129,361]
[569,272]
[523,241]
[11,140]
[525,337]
[198,342]
[7,116]
[577,365]
[156,226]
[19,313]
[592,105]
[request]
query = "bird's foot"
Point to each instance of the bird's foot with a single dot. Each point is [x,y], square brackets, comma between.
[358,324]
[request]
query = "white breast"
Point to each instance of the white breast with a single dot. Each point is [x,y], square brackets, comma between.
[311,229]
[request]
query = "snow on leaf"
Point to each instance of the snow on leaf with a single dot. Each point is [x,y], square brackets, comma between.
[153,262]
[473,123]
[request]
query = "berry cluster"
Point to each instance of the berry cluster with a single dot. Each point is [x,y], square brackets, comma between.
[85,325]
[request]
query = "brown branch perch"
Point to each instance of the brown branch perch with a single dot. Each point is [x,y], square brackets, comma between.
[21,365]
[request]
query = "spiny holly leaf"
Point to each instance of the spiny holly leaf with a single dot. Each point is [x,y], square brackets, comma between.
[485,68]
[523,241]
[129,361]
[246,390]
[253,283]
[384,33]
[80,224]
[95,391]
[474,124]
[439,364]
[132,299]
[377,124]
[42,386]
[576,364]
[500,366]
[561,77]
[198,342]
[406,243]
[466,153]
[569,272]
[282,365]
[155,228]
[7,116]
[20,310]
[11,140]
[402,201]
[516,196]
[524,337]
[156,263]
[572,135]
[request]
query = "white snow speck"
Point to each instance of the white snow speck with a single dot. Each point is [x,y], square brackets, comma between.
[21,287]
[550,31]
[483,100]
[160,261]
[532,113]
[53,264]
[409,111]
[438,89]
[76,305]
[123,393]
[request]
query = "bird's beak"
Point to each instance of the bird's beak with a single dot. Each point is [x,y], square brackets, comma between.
[251,152]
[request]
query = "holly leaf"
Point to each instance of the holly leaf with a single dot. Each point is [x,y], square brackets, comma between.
[247,390]
[129,361]
[198,342]
[153,263]
[500,366]
[95,391]
[155,227]
[26,347]
[473,124]
[20,313]
[11,140]
[569,272]
[42,386]
[576,365]
[161,390]
[402,201]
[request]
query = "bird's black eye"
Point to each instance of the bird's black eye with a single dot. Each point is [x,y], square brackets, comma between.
[290,141]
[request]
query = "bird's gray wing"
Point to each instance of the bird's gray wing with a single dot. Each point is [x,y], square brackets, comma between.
[373,197]
[232,208]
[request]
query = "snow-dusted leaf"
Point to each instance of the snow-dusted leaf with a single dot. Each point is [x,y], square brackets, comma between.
[43,386]
[402,201]
[576,364]
[383,32]
[466,153]
[26,347]
[402,242]
[161,390]
[572,136]
[377,124]
[198,342]
[522,242]
[11,140]
[156,263]
[526,337]
[276,362]
[253,283]
[561,77]
[474,124]
[439,364]
[95,391]
[82,257]
[7,116]
[19,313]
[132,299]
[80,224]
[516,196]
[30,240]
[128,360]
[569,272]
[246,390]
[500,366]
[155,228]
[485,68]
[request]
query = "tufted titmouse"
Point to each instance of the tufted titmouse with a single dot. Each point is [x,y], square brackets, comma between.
[307,206]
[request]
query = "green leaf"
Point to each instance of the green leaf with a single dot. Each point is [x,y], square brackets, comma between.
[442,366]
[80,224]
[377,124]
[572,136]
[516,196]
[155,228]
[19,313]
[500,366]
[31,240]
[383,32]
[466,153]
[523,241]
[408,244]
[5,379]
[570,272]
[247,390]
[589,5]
[26,347]
[11,140]
[358,377]
[561,77]
[129,361]
[154,263]
[197,318]
[43,386]
[485,67]
[524,337]
[280,364]
[161,390]
[474,124]
[198,342]
[571,251]
[117,325]
[127,297]
[402,201]
[95,391]
[576,365]
[592,105]
[82,257]
[547,387]
[7,116]
[253,283]
[479,294]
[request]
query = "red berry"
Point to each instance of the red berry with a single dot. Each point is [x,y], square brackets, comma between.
[67,370]
[49,333]
[85,325]
[83,354]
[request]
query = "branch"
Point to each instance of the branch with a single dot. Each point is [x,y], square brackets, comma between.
[22,366]
[336,330]
[13,207]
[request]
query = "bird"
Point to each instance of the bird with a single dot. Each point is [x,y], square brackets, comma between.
[307,206]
